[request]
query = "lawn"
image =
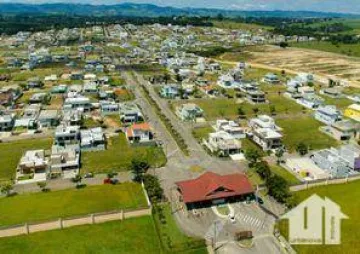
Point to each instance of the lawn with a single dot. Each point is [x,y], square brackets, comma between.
[304,129]
[41,73]
[220,108]
[254,177]
[201,133]
[345,196]
[238,25]
[341,103]
[172,239]
[10,154]
[54,204]
[91,123]
[136,235]
[118,156]
[345,49]
[247,144]
[290,178]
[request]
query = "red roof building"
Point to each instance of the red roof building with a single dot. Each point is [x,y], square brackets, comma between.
[139,132]
[210,187]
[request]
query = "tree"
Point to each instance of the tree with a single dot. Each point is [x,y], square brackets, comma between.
[253,156]
[278,188]
[255,110]
[77,180]
[302,149]
[138,168]
[241,112]
[263,169]
[42,186]
[181,93]
[6,189]
[272,110]
[153,188]
[279,154]
[166,77]
[283,44]
[220,17]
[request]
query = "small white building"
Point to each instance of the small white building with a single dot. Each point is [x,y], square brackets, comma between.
[222,143]
[234,129]
[139,133]
[65,159]
[92,139]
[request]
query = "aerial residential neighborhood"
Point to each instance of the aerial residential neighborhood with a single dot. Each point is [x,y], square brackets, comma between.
[137,128]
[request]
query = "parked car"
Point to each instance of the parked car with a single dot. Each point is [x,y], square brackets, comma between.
[260,200]
[111,181]
[89,175]
[107,181]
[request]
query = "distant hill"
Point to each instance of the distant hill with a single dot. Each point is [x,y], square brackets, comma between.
[149,10]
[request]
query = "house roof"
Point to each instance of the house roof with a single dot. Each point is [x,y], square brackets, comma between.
[141,126]
[355,107]
[210,186]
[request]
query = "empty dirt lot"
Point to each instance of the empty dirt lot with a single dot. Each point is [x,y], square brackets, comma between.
[294,60]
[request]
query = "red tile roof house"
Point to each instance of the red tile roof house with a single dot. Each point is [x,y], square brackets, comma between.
[139,133]
[211,188]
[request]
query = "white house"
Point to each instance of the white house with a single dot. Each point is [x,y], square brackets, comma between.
[222,143]
[65,159]
[139,133]
[234,129]
[92,139]
[328,114]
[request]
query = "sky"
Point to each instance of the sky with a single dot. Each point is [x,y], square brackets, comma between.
[346,6]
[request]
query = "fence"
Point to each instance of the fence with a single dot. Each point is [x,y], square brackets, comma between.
[61,223]
[312,184]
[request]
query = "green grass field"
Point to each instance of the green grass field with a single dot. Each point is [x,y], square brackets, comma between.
[290,178]
[202,132]
[136,235]
[10,154]
[237,25]
[345,196]
[172,239]
[341,103]
[54,204]
[220,108]
[344,49]
[254,177]
[304,129]
[118,156]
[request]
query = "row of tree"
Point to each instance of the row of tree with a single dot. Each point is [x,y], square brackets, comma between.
[276,185]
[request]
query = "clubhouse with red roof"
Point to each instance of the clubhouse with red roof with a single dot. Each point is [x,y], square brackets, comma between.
[211,188]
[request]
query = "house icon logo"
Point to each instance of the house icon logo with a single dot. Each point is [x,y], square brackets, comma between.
[315,221]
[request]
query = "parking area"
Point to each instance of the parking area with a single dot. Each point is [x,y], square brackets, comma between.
[220,230]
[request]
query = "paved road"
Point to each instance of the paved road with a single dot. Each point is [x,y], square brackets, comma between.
[178,165]
[170,146]
[262,244]
[195,148]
